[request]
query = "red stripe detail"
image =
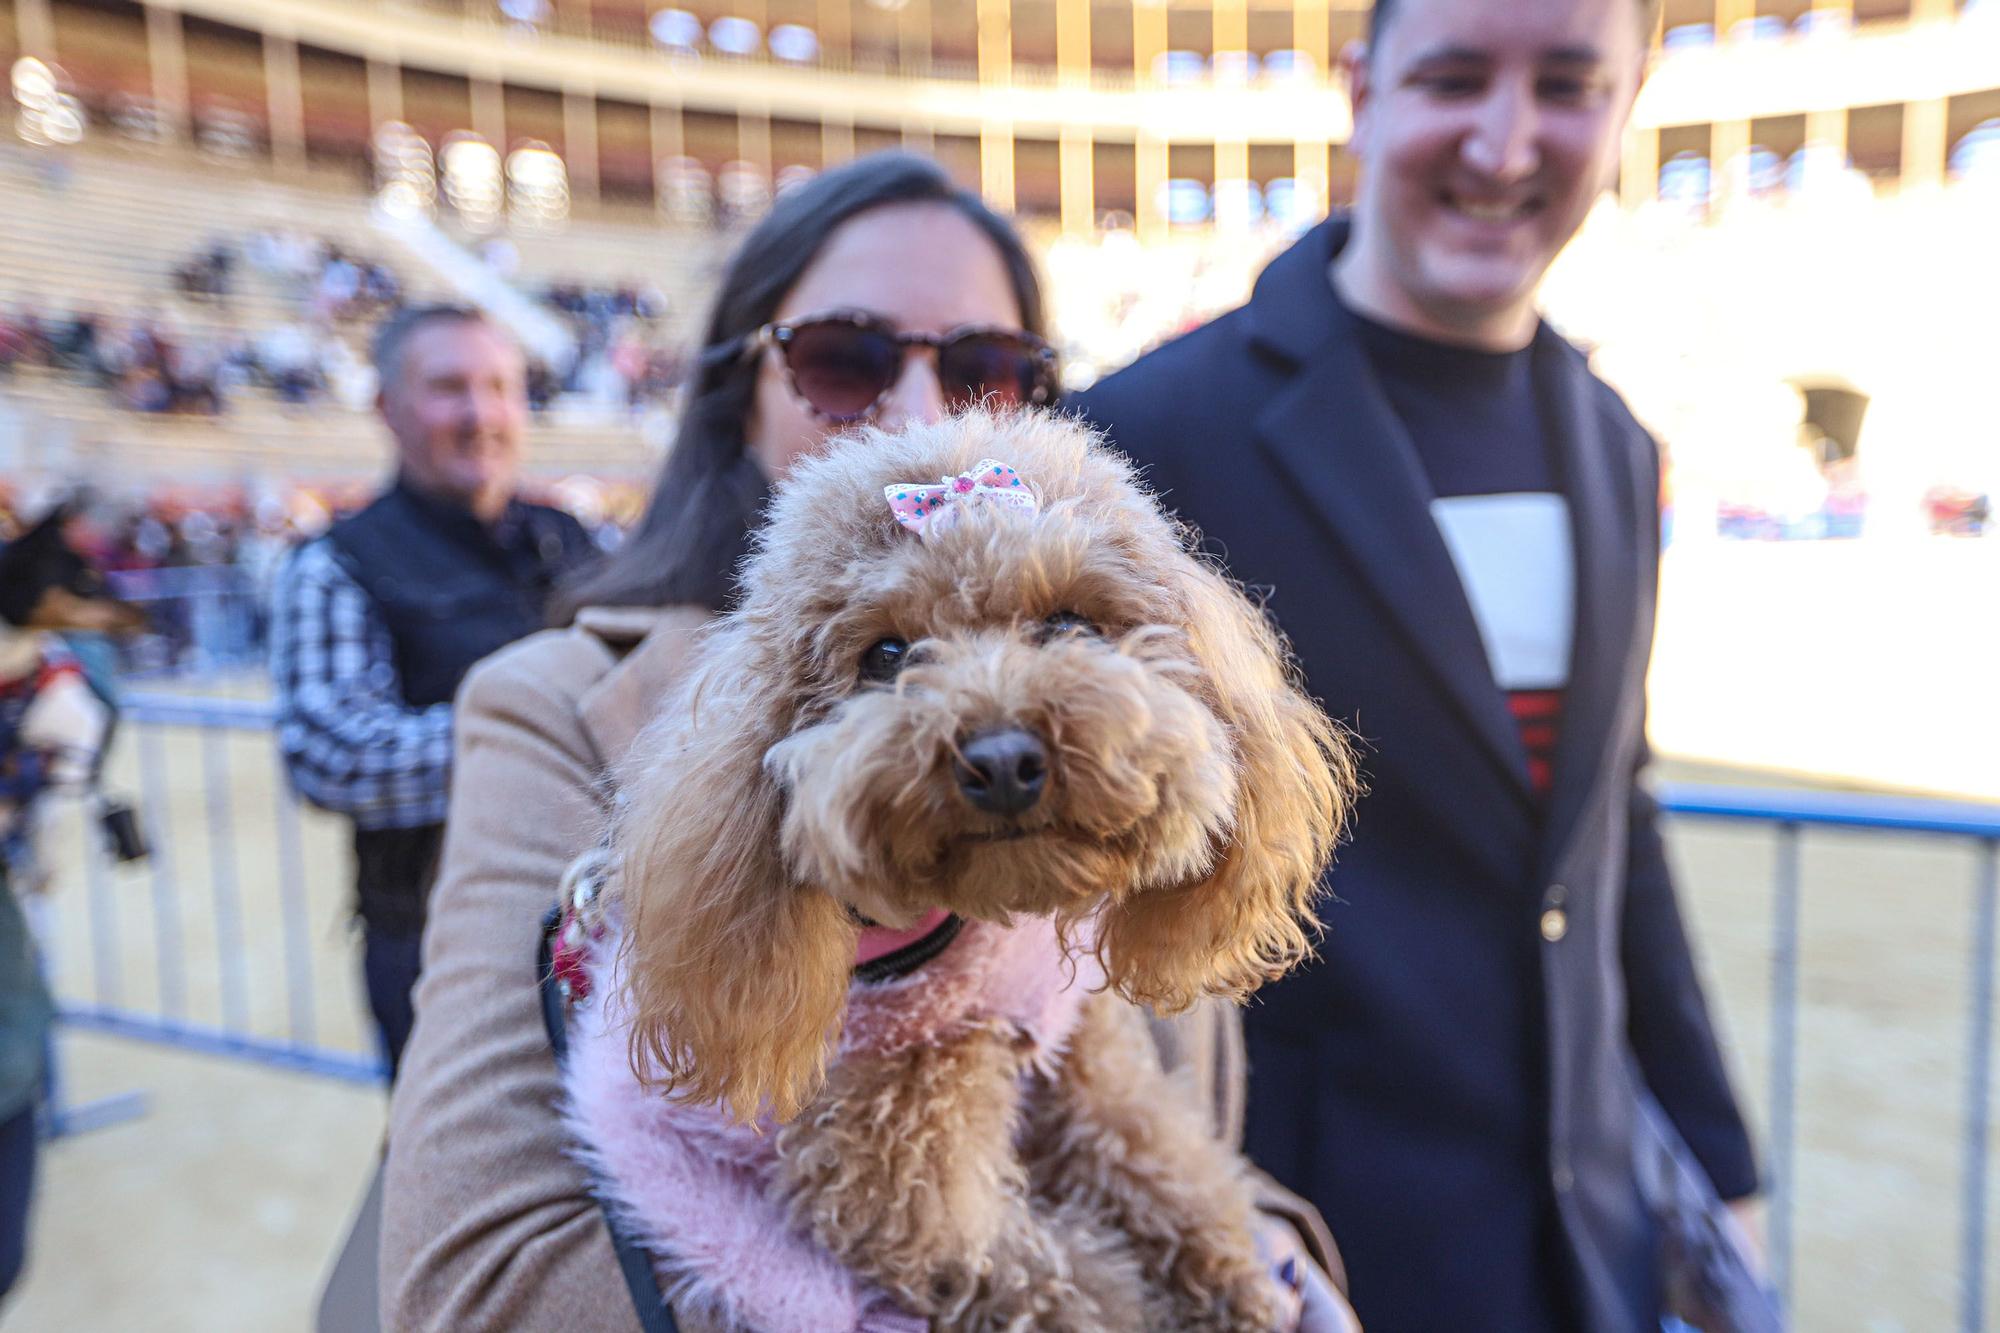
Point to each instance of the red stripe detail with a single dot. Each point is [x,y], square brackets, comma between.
[1535,704]
[1538,715]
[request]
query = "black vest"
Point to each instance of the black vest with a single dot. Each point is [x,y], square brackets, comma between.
[451,590]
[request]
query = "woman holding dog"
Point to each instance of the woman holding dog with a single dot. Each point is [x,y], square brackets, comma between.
[876,293]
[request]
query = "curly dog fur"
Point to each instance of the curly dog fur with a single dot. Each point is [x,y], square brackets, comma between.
[1192,801]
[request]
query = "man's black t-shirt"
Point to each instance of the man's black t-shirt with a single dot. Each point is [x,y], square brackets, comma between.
[1477,428]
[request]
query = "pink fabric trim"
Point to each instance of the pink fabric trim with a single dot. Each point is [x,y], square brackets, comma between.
[1017,973]
[691,1186]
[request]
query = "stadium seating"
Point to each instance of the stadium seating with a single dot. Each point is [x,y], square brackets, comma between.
[104,227]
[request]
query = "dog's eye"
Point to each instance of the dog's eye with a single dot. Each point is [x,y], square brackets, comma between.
[884,659]
[1067,622]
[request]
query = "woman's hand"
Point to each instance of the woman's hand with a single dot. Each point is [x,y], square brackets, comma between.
[1324,1310]
[1319,1307]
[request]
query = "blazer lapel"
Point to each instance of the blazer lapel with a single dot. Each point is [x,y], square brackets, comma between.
[1597,477]
[1333,435]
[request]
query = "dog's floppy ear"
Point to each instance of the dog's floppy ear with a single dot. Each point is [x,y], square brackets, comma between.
[1247,922]
[737,974]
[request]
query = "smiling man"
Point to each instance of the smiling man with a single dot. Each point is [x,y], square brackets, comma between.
[1486,136]
[375,624]
[1458,524]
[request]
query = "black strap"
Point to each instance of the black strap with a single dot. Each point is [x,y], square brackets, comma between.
[655,1315]
[912,955]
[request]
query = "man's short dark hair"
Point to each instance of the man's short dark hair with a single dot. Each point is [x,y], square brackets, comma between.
[1383,10]
[397,330]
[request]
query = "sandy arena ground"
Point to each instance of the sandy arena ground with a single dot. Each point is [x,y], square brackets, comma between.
[220,1206]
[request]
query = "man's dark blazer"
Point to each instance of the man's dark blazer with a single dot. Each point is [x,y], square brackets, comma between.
[1453,1083]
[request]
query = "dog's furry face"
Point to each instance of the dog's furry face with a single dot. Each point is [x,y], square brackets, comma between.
[832,756]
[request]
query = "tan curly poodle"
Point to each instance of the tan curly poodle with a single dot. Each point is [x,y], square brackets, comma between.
[974,667]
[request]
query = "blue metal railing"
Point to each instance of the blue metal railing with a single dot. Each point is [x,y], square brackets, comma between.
[1789,814]
[150,716]
[1899,814]
[203,619]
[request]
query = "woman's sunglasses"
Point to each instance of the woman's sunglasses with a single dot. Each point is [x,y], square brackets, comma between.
[843,366]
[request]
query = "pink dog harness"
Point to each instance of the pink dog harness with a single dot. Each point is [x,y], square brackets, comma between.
[693,1187]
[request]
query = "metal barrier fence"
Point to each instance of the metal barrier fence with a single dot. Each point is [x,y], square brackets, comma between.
[161,733]
[161,727]
[205,619]
[1790,813]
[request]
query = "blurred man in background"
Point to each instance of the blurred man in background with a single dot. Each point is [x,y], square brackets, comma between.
[1458,522]
[375,624]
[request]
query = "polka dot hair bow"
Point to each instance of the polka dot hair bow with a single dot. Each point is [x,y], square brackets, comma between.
[928,509]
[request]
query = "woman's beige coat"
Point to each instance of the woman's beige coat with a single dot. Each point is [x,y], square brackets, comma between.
[486,1222]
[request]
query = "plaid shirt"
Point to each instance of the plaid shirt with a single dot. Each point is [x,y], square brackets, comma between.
[350,742]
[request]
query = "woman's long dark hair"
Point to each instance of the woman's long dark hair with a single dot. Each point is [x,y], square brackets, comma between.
[697,524]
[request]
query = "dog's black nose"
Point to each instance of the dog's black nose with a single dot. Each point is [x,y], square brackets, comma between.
[1004,771]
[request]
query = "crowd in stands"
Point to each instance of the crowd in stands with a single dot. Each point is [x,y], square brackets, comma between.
[201,561]
[226,525]
[621,356]
[153,361]
[337,287]
[167,530]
